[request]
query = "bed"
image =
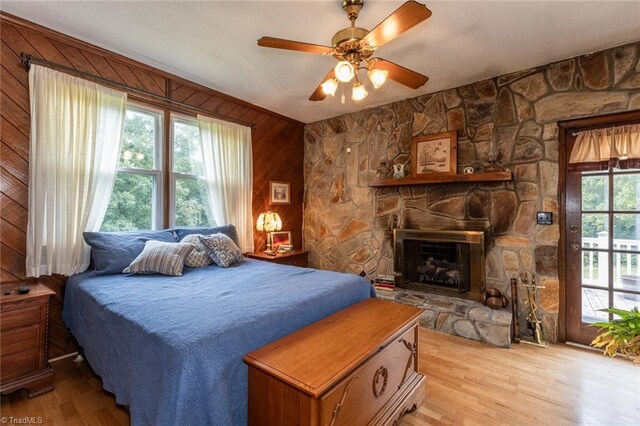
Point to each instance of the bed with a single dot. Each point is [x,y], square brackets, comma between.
[171,348]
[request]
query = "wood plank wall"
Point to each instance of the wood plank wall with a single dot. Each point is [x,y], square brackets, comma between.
[277,140]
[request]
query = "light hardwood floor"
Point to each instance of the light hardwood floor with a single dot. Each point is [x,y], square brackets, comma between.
[468,383]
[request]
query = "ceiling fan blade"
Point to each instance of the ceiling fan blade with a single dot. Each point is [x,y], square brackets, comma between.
[401,74]
[280,43]
[318,94]
[403,19]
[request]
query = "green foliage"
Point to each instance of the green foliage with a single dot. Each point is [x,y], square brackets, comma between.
[626,196]
[187,155]
[132,203]
[138,141]
[620,336]
[191,203]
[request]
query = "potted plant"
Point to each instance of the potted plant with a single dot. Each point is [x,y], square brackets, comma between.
[620,336]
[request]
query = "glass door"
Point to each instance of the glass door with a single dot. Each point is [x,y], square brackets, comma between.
[603,247]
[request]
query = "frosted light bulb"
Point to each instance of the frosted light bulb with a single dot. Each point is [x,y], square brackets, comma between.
[359,92]
[378,77]
[344,71]
[330,86]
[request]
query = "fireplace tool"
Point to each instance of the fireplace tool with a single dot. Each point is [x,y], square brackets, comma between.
[532,307]
[514,310]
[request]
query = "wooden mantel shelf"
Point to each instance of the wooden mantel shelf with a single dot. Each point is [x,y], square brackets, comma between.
[443,179]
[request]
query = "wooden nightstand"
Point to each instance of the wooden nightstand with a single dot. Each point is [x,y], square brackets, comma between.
[296,258]
[23,339]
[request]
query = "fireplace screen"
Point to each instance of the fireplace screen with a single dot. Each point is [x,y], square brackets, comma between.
[439,261]
[437,264]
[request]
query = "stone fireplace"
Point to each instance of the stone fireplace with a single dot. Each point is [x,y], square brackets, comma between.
[512,118]
[439,261]
[443,272]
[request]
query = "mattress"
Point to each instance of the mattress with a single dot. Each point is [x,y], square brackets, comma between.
[171,348]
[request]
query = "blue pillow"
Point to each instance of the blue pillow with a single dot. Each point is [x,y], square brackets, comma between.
[114,251]
[228,230]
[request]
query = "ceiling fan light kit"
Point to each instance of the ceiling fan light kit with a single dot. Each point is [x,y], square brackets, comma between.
[353,45]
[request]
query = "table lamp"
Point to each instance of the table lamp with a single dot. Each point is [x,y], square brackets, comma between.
[269,222]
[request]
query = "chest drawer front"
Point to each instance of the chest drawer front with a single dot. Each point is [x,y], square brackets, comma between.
[19,339]
[364,392]
[27,315]
[17,364]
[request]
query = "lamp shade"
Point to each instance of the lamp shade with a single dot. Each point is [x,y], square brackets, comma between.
[269,222]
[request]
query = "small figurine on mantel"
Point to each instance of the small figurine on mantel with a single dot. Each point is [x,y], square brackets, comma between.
[493,165]
[383,170]
[398,170]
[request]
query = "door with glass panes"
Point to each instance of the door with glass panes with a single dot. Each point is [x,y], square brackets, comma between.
[602,248]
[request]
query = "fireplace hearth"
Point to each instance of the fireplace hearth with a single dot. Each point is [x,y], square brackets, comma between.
[440,261]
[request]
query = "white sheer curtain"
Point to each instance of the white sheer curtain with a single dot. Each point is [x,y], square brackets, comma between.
[228,170]
[76,127]
[601,149]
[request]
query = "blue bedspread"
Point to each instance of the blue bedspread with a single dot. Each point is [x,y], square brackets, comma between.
[171,347]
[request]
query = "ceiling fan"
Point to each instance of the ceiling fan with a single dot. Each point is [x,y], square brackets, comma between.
[353,45]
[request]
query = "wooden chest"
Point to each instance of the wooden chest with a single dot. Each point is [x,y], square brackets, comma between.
[356,367]
[23,341]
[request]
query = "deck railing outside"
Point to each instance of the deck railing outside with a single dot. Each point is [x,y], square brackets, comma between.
[595,270]
[595,266]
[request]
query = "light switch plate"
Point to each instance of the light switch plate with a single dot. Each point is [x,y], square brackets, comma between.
[544,218]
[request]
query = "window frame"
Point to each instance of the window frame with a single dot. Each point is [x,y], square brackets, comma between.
[174,176]
[157,173]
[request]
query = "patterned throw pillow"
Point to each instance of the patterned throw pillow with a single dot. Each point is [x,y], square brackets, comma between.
[199,257]
[222,249]
[159,257]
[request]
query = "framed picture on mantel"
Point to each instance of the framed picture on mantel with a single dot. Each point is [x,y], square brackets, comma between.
[434,154]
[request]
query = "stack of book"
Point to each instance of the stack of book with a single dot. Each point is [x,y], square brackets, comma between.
[285,248]
[384,282]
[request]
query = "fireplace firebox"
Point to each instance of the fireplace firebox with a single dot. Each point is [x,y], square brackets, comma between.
[439,261]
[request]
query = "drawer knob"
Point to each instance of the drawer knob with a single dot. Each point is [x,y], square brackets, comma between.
[378,390]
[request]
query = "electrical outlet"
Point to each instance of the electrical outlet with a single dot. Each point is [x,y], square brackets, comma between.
[544,218]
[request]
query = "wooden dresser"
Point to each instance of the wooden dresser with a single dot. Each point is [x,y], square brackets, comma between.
[24,322]
[356,367]
[295,258]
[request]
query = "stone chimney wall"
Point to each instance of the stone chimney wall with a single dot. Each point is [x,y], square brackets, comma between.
[513,116]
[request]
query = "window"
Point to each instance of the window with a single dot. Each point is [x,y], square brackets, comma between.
[136,202]
[190,205]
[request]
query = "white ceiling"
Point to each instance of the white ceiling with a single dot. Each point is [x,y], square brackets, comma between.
[214,43]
